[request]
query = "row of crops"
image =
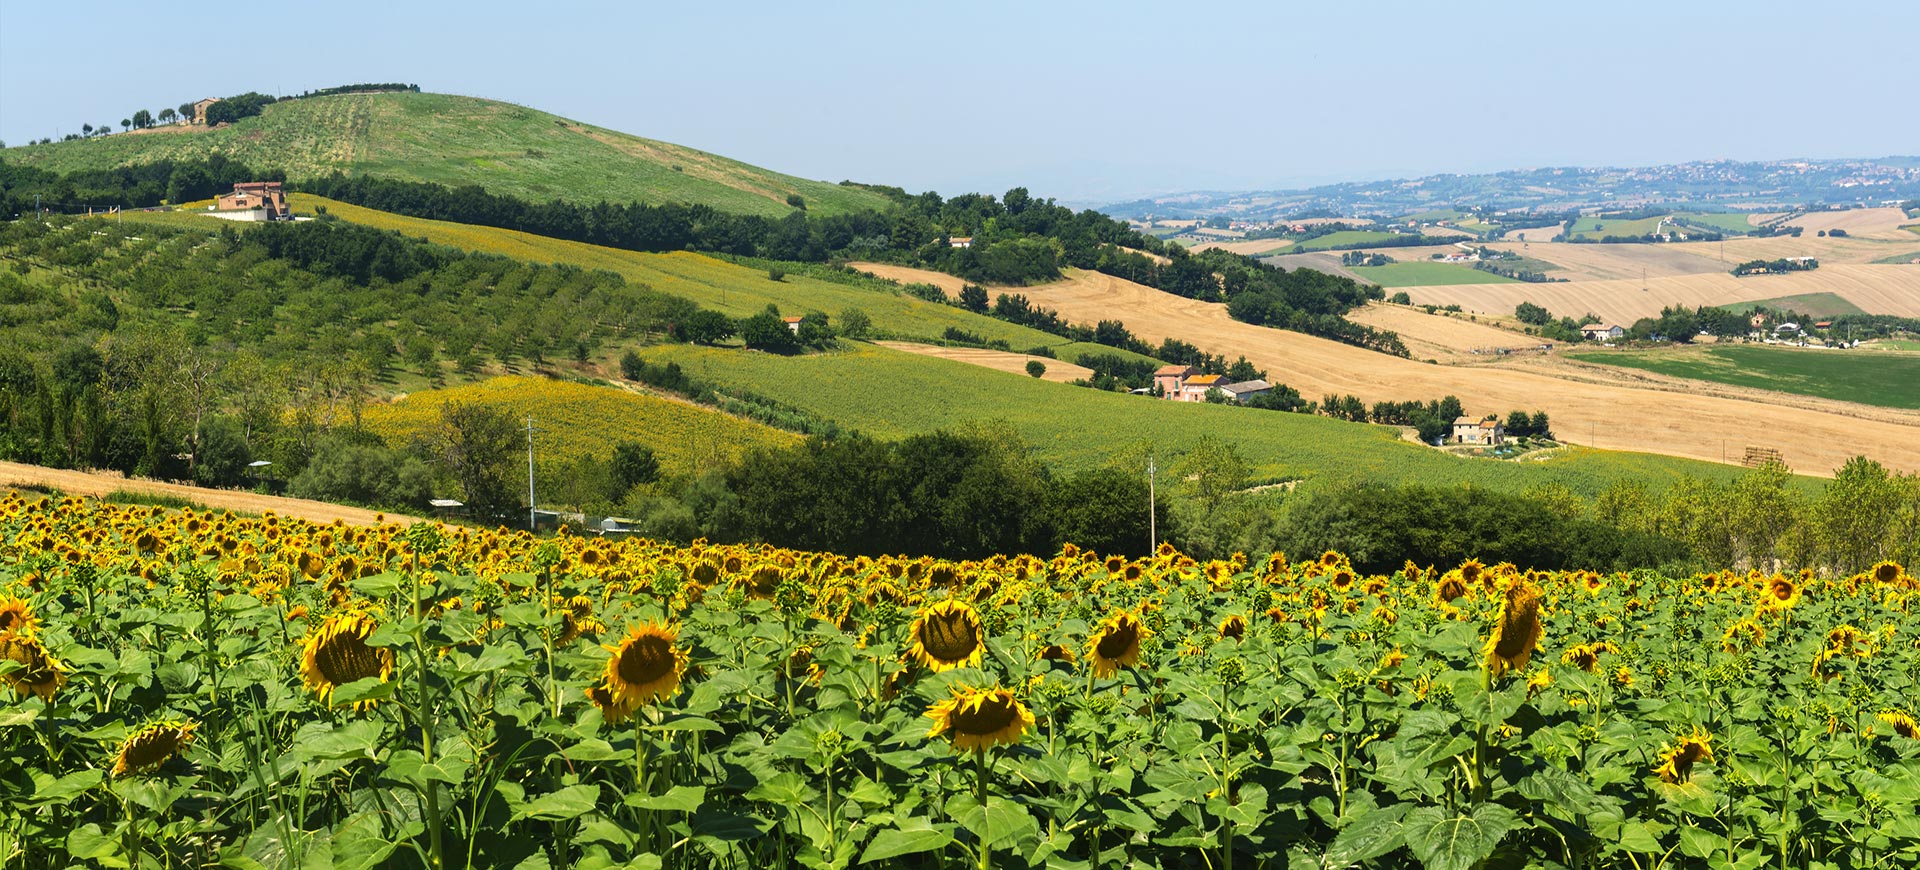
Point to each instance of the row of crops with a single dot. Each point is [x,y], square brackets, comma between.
[189,689]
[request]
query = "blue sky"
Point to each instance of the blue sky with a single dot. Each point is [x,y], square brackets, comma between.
[1083,101]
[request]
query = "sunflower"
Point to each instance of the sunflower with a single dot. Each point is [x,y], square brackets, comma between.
[1470,570]
[1586,656]
[1056,653]
[1781,593]
[148,748]
[980,718]
[577,616]
[1512,642]
[612,711]
[1234,626]
[948,635]
[1741,636]
[1677,761]
[38,673]
[1847,640]
[16,617]
[1902,723]
[646,666]
[1451,588]
[338,654]
[1116,644]
[1887,572]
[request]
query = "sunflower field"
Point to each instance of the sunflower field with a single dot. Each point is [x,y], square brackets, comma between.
[190,689]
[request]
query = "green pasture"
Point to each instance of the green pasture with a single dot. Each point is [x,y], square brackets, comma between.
[1880,379]
[453,140]
[1334,240]
[890,394]
[1809,304]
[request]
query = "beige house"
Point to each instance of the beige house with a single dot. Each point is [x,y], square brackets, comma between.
[200,110]
[1487,431]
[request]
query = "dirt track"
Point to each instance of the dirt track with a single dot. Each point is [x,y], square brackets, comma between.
[998,360]
[97,484]
[1612,414]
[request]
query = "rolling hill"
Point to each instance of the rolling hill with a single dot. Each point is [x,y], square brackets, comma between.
[455,140]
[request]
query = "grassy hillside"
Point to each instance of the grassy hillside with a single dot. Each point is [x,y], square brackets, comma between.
[574,420]
[1878,379]
[454,140]
[890,394]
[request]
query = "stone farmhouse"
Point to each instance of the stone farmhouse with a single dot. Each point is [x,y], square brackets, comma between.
[254,201]
[1487,431]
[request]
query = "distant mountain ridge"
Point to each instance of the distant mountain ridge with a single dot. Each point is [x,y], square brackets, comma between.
[1727,183]
[453,140]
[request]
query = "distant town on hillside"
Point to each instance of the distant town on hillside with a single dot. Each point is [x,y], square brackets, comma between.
[1723,184]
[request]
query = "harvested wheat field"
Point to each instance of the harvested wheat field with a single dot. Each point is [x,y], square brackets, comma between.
[99,483]
[998,360]
[1255,248]
[1606,415]
[1444,337]
[1875,289]
[1830,251]
[1604,262]
[910,275]
[1400,255]
[1866,223]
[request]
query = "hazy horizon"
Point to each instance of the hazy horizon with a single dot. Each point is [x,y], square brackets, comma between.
[1086,103]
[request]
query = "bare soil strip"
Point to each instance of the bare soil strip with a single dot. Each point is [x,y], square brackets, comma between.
[998,360]
[97,483]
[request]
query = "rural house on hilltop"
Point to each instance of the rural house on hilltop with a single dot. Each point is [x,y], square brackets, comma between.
[1488,431]
[200,110]
[1601,331]
[254,201]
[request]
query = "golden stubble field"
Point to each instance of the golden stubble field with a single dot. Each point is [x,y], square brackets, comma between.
[1650,417]
[1879,289]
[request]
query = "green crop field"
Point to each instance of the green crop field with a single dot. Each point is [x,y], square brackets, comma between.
[1728,222]
[1333,240]
[1444,214]
[454,140]
[889,394]
[1598,227]
[1809,304]
[1880,379]
[1419,274]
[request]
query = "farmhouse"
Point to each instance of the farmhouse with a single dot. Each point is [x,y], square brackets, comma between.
[200,110]
[960,242]
[1487,431]
[1169,378]
[254,201]
[1601,331]
[793,324]
[1195,388]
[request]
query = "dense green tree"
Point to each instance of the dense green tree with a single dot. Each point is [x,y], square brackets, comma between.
[633,465]
[478,445]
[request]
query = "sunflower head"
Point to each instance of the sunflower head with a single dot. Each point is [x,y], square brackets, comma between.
[151,746]
[1902,724]
[1887,572]
[38,672]
[337,654]
[1056,653]
[1234,626]
[1451,588]
[16,617]
[1512,641]
[1677,761]
[645,667]
[1116,644]
[980,718]
[947,635]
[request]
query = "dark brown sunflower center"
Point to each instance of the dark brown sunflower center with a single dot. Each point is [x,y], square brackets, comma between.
[646,659]
[35,668]
[1118,640]
[345,658]
[152,748]
[994,714]
[1516,630]
[949,636]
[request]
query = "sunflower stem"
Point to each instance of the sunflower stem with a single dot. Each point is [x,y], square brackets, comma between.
[980,787]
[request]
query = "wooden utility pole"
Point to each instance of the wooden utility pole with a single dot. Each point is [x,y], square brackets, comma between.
[1153,520]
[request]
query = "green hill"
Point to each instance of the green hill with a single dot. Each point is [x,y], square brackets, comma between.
[453,140]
